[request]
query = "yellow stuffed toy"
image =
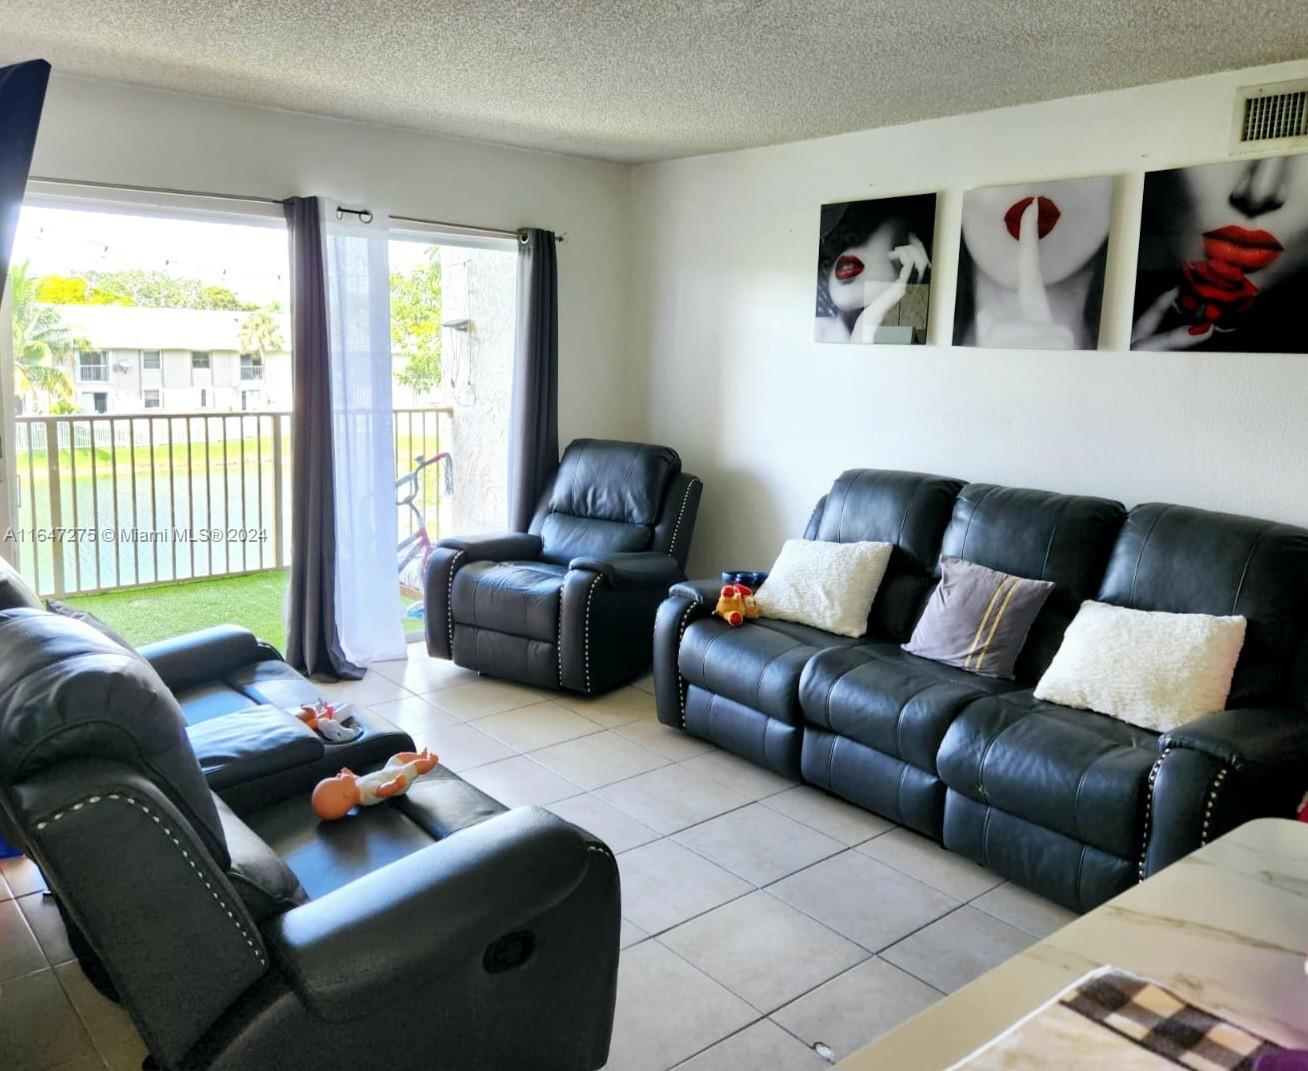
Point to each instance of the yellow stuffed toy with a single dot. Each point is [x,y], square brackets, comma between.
[736,605]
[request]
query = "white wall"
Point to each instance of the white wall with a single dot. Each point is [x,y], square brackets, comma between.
[724,283]
[97,131]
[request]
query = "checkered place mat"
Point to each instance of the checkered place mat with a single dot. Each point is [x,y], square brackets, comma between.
[1111,1011]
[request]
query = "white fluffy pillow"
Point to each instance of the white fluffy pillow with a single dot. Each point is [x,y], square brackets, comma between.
[827,585]
[1151,669]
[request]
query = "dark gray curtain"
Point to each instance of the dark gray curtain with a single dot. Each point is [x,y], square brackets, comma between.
[22,93]
[534,418]
[312,643]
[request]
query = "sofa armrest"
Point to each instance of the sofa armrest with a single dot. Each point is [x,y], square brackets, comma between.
[502,546]
[703,592]
[645,569]
[206,655]
[361,946]
[1249,739]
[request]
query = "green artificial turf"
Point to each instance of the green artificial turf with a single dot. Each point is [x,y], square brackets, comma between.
[144,615]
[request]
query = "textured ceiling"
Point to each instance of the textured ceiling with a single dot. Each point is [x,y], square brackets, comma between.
[645,80]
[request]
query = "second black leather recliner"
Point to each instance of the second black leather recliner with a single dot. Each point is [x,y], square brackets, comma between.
[569,603]
[433,931]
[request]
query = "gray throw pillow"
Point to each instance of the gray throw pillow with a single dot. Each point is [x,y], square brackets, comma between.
[978,618]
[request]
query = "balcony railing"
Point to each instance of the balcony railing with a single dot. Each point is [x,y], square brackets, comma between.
[109,502]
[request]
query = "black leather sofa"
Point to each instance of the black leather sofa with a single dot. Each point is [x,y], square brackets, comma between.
[1072,804]
[569,603]
[225,681]
[436,930]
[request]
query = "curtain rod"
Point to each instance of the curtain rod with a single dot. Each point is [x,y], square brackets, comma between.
[125,188]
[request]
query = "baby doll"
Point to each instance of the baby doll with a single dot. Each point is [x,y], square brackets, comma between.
[321,718]
[335,797]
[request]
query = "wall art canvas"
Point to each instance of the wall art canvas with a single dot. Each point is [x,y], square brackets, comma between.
[874,270]
[1223,261]
[1031,265]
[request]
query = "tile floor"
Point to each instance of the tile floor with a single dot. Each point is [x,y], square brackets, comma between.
[764,922]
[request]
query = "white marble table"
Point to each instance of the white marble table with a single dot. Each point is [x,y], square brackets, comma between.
[1226,928]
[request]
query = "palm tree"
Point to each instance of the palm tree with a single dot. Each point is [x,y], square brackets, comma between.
[43,347]
[260,334]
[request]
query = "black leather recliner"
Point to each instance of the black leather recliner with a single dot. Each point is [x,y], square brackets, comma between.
[569,603]
[1073,804]
[436,930]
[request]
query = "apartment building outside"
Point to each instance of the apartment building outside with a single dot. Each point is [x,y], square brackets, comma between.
[133,359]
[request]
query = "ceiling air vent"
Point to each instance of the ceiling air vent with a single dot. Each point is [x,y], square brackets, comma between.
[1273,117]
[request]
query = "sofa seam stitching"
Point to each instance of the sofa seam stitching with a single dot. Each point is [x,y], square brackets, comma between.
[1244,573]
[91,801]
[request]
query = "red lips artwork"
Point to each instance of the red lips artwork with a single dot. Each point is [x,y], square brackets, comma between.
[1217,289]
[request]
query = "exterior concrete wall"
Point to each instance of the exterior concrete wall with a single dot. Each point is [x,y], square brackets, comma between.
[477,371]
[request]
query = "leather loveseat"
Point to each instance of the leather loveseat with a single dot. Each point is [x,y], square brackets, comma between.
[436,930]
[569,603]
[226,682]
[1072,804]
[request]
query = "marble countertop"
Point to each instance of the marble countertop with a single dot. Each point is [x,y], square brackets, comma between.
[1226,928]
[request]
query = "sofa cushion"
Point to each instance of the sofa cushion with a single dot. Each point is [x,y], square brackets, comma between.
[1192,561]
[517,598]
[1081,774]
[275,683]
[265,884]
[1065,539]
[212,700]
[613,481]
[758,664]
[887,699]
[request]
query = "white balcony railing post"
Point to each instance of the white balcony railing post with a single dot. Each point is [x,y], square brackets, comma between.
[156,503]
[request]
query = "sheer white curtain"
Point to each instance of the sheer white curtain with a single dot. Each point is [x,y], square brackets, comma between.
[359,316]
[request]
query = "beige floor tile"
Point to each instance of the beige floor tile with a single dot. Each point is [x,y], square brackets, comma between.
[862,899]
[536,726]
[630,934]
[835,817]
[664,884]
[126,1055]
[671,743]
[520,782]
[1024,909]
[857,1007]
[764,1046]
[21,875]
[667,1010]
[106,1022]
[612,709]
[38,1027]
[615,828]
[372,689]
[671,798]
[416,716]
[43,917]
[763,950]
[924,859]
[758,844]
[422,674]
[739,775]
[645,684]
[957,948]
[599,759]
[20,952]
[485,696]
[463,747]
